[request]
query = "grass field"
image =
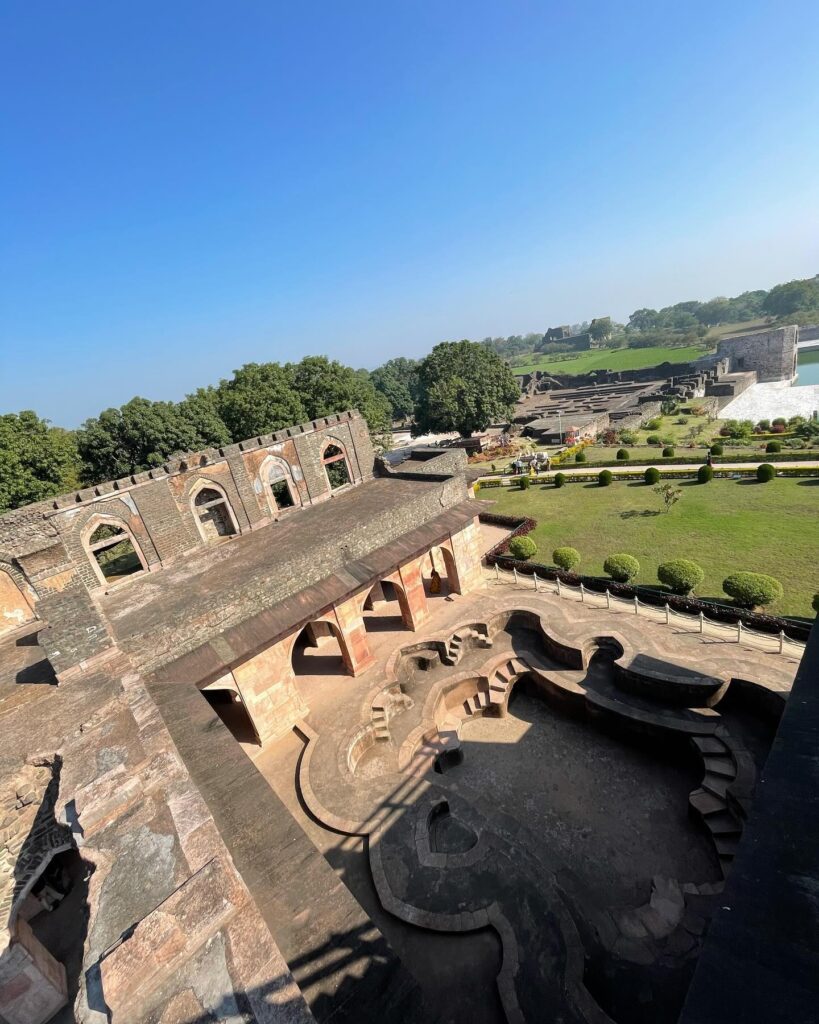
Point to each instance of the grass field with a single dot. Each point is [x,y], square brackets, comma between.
[726,526]
[613,359]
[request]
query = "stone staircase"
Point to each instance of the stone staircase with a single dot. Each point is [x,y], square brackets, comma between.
[455,647]
[712,801]
[498,690]
[391,703]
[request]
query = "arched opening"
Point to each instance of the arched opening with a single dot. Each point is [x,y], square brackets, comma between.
[114,553]
[213,513]
[385,608]
[440,574]
[320,649]
[229,706]
[15,608]
[334,460]
[280,488]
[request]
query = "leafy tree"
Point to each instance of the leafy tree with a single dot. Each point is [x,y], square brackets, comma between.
[715,311]
[644,319]
[463,386]
[258,399]
[669,494]
[621,568]
[784,299]
[752,589]
[600,328]
[36,460]
[325,386]
[137,436]
[397,381]
[201,410]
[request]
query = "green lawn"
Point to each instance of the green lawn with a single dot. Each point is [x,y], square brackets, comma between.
[613,359]
[741,327]
[726,526]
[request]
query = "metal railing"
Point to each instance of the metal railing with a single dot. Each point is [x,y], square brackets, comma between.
[779,643]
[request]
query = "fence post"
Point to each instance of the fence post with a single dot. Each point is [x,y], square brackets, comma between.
[667,614]
[582,592]
[702,622]
[739,631]
[781,641]
[557,580]
[497,573]
[515,574]
[636,605]
[608,598]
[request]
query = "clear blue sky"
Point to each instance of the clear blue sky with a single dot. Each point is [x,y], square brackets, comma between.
[188,186]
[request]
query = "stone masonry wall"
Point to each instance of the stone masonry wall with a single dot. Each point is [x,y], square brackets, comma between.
[771,353]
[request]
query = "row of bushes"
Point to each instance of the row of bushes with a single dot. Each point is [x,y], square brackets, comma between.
[670,458]
[652,475]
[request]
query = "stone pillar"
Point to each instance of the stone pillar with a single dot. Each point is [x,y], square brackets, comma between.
[355,649]
[32,983]
[466,546]
[416,599]
[267,687]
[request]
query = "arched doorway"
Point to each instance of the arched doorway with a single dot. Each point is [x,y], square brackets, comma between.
[15,608]
[227,702]
[213,513]
[320,650]
[440,574]
[114,552]
[336,465]
[385,608]
[279,486]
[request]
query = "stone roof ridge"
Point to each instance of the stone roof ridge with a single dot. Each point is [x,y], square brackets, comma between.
[177,464]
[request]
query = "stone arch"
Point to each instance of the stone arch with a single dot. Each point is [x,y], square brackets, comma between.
[325,640]
[336,464]
[16,601]
[276,476]
[212,511]
[440,562]
[112,533]
[385,606]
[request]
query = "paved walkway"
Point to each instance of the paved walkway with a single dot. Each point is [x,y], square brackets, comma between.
[777,398]
[680,622]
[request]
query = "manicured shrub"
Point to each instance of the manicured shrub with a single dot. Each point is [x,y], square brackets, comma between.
[652,475]
[777,428]
[815,603]
[560,479]
[653,439]
[523,483]
[622,454]
[566,558]
[628,437]
[654,424]
[604,477]
[765,472]
[752,589]
[522,547]
[621,568]
[716,449]
[680,575]
[581,457]
[780,421]
[668,453]
[763,426]
[773,446]
[705,474]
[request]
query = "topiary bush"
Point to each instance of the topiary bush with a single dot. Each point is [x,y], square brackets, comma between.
[680,575]
[653,439]
[752,589]
[566,558]
[621,568]
[652,475]
[622,454]
[523,483]
[654,424]
[581,457]
[560,479]
[705,474]
[716,449]
[604,477]
[522,547]
[668,453]
[773,446]
[765,472]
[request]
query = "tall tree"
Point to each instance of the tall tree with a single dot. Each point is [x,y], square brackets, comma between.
[397,380]
[36,460]
[463,386]
[258,399]
[201,410]
[325,386]
[784,299]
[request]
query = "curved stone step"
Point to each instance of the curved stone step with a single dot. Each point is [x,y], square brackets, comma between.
[720,764]
[706,803]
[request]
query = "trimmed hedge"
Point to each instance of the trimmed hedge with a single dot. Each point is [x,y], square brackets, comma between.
[772,447]
[680,575]
[524,483]
[668,453]
[652,475]
[716,449]
[604,477]
[765,473]
[752,589]
[622,568]
[566,558]
[560,479]
[581,457]
[522,547]
[623,454]
[705,474]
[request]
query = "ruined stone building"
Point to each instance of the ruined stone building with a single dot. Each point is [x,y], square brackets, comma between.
[261,764]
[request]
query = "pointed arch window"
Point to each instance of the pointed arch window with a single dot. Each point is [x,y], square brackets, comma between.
[214,516]
[334,460]
[282,490]
[114,552]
